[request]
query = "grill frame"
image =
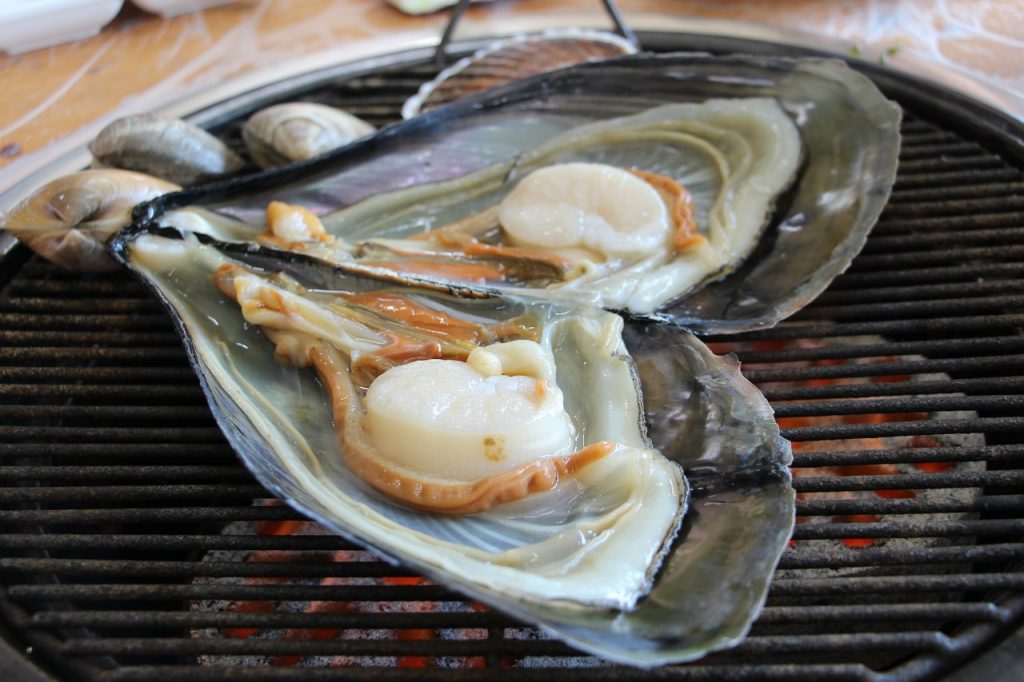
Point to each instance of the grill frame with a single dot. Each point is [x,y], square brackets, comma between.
[979,121]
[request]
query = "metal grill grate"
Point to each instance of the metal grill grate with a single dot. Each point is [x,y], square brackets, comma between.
[135,547]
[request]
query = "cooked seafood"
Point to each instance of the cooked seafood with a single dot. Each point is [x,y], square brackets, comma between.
[447,424]
[420,204]
[69,220]
[296,131]
[592,492]
[167,148]
[551,555]
[626,239]
[455,163]
[510,59]
[576,541]
[617,229]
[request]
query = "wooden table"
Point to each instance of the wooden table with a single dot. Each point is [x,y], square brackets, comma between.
[140,62]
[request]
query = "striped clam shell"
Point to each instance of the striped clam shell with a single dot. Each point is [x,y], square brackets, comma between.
[513,58]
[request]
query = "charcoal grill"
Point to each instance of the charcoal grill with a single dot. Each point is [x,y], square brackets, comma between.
[128,528]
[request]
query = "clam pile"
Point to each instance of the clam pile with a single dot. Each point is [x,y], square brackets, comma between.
[465,341]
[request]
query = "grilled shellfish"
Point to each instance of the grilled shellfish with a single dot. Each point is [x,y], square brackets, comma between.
[405,203]
[576,541]
[643,598]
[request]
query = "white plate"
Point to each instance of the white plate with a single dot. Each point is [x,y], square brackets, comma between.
[28,26]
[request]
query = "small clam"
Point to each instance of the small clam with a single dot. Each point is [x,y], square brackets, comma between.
[168,148]
[69,220]
[296,131]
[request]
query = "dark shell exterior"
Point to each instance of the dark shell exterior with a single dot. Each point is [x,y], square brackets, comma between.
[513,58]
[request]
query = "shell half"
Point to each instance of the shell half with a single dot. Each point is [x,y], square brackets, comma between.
[454,162]
[595,561]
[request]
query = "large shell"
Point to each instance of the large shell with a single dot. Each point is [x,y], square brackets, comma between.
[456,159]
[702,415]
[509,59]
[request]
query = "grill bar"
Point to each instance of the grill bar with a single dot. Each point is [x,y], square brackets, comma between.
[1004,384]
[100,320]
[999,344]
[109,593]
[951,239]
[993,453]
[130,493]
[986,189]
[111,413]
[979,611]
[177,569]
[84,517]
[941,180]
[983,503]
[971,324]
[903,583]
[825,531]
[752,645]
[817,556]
[105,375]
[902,310]
[10,337]
[44,354]
[162,592]
[921,291]
[543,673]
[967,225]
[165,393]
[966,272]
[112,434]
[946,148]
[132,450]
[98,474]
[171,542]
[903,367]
[923,481]
[913,404]
[909,428]
[973,162]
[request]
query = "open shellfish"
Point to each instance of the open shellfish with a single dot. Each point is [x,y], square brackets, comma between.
[437,186]
[590,555]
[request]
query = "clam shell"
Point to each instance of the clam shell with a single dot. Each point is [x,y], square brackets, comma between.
[296,131]
[510,59]
[167,148]
[69,220]
[849,131]
[700,411]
